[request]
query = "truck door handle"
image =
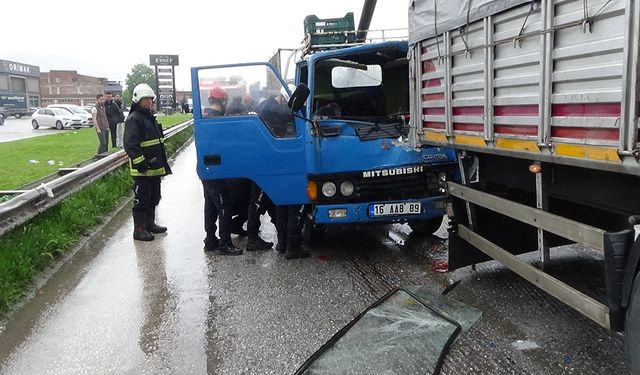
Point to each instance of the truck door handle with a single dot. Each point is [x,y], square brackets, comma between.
[212,160]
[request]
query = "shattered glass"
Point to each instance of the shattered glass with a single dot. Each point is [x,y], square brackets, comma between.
[401,334]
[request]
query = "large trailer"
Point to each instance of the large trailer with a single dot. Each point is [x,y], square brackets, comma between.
[540,98]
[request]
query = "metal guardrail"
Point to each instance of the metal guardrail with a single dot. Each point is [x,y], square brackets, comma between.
[27,205]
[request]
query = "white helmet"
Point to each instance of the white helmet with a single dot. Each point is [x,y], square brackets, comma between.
[142,91]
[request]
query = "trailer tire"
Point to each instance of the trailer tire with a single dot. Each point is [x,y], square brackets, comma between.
[17,115]
[425,227]
[632,328]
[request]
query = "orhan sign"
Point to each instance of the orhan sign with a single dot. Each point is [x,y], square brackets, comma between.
[165,79]
[20,69]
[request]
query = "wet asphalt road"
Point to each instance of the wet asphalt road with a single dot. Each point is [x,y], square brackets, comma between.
[14,129]
[166,307]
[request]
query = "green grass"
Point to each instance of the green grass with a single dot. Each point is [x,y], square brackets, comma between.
[28,249]
[27,160]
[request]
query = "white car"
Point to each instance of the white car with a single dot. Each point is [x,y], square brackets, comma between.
[87,119]
[56,118]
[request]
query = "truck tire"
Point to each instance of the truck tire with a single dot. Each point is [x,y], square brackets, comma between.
[312,234]
[632,328]
[34,124]
[59,125]
[17,115]
[425,227]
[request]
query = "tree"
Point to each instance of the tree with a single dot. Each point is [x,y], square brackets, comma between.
[140,73]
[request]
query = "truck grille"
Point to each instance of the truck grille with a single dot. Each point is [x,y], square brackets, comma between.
[388,188]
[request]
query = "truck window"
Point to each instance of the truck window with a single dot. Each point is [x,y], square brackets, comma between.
[362,87]
[250,90]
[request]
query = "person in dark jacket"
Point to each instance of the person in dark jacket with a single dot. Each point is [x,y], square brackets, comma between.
[218,201]
[143,143]
[114,116]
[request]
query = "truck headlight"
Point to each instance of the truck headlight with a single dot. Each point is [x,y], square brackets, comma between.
[346,188]
[329,189]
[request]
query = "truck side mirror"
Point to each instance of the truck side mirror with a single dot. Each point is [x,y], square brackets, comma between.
[298,97]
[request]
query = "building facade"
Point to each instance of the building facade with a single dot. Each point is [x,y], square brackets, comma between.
[69,87]
[19,84]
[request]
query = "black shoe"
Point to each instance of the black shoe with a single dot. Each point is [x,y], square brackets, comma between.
[211,246]
[254,244]
[141,234]
[150,223]
[295,250]
[229,250]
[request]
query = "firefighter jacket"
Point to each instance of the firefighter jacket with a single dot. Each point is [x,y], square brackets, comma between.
[143,142]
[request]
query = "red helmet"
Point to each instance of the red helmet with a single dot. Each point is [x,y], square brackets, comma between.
[218,93]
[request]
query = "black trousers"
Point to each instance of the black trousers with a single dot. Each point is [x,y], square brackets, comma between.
[146,193]
[218,205]
[289,220]
[258,205]
[241,196]
[113,128]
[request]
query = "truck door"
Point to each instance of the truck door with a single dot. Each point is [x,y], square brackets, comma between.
[243,129]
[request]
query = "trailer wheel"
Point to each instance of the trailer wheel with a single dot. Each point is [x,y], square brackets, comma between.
[632,328]
[17,115]
[425,227]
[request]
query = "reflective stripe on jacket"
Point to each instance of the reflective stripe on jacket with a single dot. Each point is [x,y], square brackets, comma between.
[143,142]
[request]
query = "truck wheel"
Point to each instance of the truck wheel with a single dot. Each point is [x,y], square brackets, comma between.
[312,234]
[632,328]
[59,125]
[425,227]
[34,124]
[17,115]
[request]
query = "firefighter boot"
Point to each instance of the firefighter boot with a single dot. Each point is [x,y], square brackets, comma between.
[150,223]
[139,231]
[281,247]
[257,243]
[295,250]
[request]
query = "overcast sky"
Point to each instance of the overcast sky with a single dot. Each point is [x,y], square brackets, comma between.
[106,38]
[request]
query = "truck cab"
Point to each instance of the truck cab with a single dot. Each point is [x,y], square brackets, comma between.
[344,152]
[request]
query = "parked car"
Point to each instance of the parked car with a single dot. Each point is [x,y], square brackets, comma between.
[87,119]
[3,115]
[55,117]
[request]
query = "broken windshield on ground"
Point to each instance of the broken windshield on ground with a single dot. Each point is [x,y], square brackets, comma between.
[400,334]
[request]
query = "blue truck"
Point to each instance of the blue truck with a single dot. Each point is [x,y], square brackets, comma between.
[342,149]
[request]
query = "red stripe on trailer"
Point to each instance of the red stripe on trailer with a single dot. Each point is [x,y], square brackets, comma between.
[468,127]
[516,110]
[608,134]
[516,129]
[586,110]
[432,83]
[439,111]
[468,111]
[433,125]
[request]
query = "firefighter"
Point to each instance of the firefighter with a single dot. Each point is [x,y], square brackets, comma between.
[218,202]
[143,142]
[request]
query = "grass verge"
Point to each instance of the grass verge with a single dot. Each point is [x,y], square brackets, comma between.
[27,160]
[30,248]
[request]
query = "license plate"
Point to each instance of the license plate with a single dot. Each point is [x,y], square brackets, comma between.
[394,209]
